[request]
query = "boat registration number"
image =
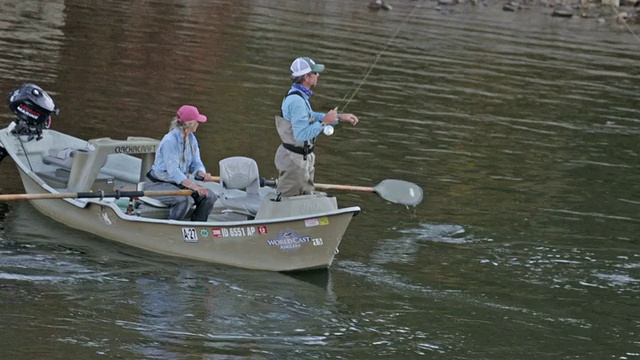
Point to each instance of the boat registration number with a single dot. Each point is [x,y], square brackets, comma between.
[239,231]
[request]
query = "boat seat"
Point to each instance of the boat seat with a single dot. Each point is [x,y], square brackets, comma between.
[60,157]
[154,208]
[149,200]
[58,178]
[240,173]
[65,177]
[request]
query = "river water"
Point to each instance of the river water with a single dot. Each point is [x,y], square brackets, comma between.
[522,129]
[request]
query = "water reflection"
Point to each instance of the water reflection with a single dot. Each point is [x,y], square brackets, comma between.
[171,304]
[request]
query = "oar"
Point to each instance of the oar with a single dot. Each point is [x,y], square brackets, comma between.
[96,194]
[396,191]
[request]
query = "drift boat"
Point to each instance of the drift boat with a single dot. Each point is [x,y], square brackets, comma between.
[255,231]
[97,186]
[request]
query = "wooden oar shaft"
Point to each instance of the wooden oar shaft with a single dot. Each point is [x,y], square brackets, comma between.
[95,194]
[393,190]
[327,186]
[344,187]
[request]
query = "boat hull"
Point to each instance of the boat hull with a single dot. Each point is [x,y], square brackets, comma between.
[290,234]
[287,245]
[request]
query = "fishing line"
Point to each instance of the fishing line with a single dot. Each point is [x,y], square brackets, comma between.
[379,55]
[630,29]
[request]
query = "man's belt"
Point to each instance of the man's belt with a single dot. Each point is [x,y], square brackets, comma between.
[299,149]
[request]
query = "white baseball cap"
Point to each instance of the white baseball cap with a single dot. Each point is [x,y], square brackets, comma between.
[304,65]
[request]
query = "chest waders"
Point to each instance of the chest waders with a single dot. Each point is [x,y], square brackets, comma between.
[290,143]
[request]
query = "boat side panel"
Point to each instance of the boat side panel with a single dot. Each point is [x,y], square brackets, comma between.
[277,246]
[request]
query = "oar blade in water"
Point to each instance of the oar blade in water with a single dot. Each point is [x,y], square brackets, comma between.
[399,191]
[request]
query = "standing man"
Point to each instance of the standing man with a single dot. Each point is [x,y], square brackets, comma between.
[298,126]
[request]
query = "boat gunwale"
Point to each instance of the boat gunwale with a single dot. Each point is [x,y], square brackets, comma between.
[136,218]
[83,203]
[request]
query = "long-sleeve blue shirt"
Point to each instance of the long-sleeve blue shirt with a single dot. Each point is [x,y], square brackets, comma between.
[172,163]
[298,111]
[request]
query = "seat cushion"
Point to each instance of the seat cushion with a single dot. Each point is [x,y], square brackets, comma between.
[149,200]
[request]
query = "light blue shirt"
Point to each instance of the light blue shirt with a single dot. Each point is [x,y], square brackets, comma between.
[170,165]
[298,111]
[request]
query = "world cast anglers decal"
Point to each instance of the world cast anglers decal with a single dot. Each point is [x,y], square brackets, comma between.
[291,240]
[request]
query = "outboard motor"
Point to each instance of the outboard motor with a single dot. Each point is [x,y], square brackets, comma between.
[33,108]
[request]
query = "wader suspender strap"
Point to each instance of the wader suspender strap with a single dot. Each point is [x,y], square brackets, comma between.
[295,92]
[306,149]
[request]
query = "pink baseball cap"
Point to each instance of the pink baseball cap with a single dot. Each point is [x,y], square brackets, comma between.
[188,113]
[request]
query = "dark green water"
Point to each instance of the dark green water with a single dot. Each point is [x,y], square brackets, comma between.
[522,129]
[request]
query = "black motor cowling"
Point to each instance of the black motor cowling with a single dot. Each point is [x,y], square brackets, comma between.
[33,108]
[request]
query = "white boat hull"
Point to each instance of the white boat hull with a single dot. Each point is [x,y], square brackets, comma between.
[306,237]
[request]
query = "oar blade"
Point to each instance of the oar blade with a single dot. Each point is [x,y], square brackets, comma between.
[399,192]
